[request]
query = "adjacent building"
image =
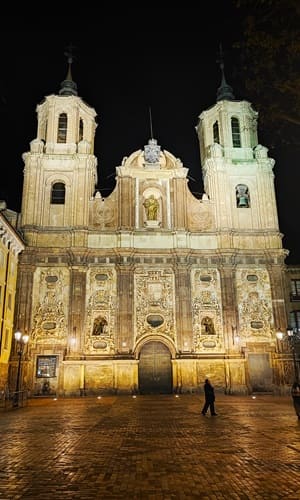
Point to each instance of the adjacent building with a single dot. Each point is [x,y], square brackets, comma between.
[11,245]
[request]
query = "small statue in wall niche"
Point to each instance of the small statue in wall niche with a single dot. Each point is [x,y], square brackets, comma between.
[100,326]
[207,325]
[242,196]
[151,207]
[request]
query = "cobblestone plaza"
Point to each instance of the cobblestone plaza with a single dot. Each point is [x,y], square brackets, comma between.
[151,447]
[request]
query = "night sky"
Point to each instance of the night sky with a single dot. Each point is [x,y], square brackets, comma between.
[124,64]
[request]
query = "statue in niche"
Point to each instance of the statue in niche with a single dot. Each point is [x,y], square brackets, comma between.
[100,326]
[151,207]
[207,325]
[242,196]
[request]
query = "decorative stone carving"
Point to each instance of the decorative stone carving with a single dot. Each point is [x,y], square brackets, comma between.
[255,305]
[49,320]
[152,151]
[100,324]
[154,295]
[206,307]
[103,211]
[199,215]
[260,151]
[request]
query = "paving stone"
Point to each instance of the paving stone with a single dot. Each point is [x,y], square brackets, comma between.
[151,447]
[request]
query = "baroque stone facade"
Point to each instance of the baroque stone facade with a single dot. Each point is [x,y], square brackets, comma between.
[150,289]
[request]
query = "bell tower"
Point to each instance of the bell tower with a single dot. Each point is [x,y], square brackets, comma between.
[237,172]
[60,171]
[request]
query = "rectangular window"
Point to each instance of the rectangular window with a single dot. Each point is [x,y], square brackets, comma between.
[46,366]
[295,290]
[6,339]
[295,319]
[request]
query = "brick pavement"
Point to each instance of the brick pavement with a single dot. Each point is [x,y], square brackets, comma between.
[150,447]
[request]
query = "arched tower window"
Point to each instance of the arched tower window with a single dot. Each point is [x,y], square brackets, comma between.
[236,134]
[80,130]
[216,132]
[62,128]
[242,196]
[58,193]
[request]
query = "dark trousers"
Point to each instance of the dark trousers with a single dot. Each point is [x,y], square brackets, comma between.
[210,405]
[296,401]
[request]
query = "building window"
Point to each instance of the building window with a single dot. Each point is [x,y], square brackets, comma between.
[58,193]
[80,129]
[216,132]
[295,319]
[6,339]
[62,128]
[46,366]
[236,135]
[9,301]
[295,290]
[242,196]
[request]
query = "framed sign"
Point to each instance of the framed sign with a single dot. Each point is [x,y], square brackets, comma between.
[46,366]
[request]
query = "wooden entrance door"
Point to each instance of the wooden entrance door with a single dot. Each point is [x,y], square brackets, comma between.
[155,369]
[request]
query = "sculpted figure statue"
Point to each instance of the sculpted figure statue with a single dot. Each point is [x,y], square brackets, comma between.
[151,207]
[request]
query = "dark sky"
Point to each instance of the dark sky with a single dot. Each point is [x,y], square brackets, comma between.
[162,58]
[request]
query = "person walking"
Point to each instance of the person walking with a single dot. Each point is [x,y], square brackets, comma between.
[209,394]
[296,397]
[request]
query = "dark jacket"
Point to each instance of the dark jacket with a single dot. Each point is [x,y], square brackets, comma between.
[295,390]
[209,392]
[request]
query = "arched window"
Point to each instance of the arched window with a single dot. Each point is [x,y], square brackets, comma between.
[62,128]
[242,196]
[216,132]
[58,193]
[80,130]
[236,134]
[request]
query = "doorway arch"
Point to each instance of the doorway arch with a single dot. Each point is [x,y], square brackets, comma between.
[155,369]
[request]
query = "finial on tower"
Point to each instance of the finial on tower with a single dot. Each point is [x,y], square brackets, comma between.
[152,149]
[68,87]
[224,91]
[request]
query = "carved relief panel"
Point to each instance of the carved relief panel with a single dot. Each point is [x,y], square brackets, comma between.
[101,310]
[200,215]
[50,289]
[103,211]
[207,311]
[254,304]
[155,303]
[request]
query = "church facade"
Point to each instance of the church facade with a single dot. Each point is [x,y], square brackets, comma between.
[150,290]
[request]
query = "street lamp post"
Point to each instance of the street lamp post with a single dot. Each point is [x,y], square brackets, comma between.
[21,341]
[294,338]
